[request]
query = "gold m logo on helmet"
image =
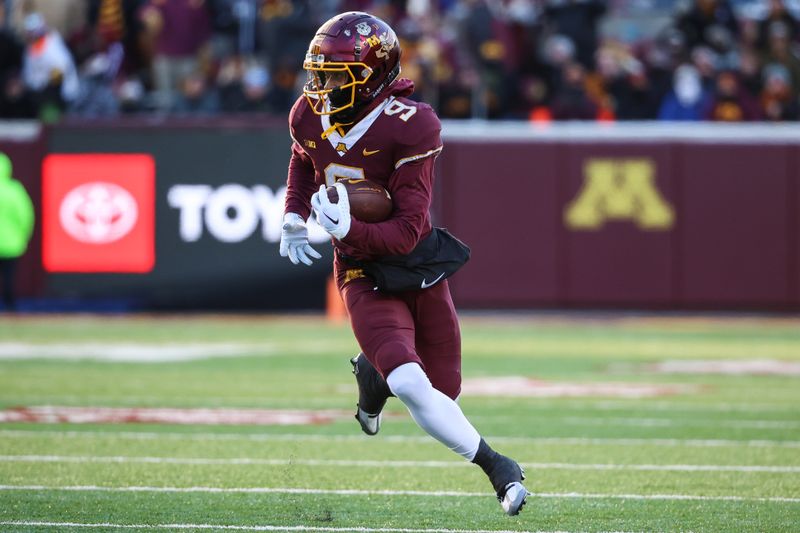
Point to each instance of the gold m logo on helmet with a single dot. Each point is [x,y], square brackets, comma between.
[619,189]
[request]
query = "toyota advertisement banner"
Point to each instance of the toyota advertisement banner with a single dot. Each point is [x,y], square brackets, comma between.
[98,213]
[173,218]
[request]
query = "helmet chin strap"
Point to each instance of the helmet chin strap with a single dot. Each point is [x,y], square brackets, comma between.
[338,127]
[340,119]
[348,115]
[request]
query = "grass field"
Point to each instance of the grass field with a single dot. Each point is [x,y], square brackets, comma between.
[641,442]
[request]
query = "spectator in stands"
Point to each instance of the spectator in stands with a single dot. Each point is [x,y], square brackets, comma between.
[707,22]
[776,12]
[11,49]
[477,29]
[255,87]
[453,68]
[96,97]
[578,20]
[777,101]
[16,228]
[48,70]
[282,92]
[571,101]
[117,21]
[196,97]
[688,100]
[420,58]
[244,89]
[67,17]
[469,58]
[558,51]
[731,102]
[131,95]
[16,101]
[284,31]
[658,62]
[178,31]
[750,71]
[11,52]
[634,96]
[229,83]
[707,62]
[780,52]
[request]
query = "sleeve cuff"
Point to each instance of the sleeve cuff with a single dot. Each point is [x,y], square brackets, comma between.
[356,233]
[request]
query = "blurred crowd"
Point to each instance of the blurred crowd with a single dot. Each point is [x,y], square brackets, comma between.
[537,60]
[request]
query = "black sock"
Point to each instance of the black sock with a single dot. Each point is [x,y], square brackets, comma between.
[500,469]
[485,457]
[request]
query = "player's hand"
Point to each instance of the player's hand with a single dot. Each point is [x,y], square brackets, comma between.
[334,218]
[294,240]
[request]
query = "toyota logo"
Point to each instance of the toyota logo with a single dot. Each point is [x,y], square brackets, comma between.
[98,212]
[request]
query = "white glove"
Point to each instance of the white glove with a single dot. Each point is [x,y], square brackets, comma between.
[294,240]
[334,218]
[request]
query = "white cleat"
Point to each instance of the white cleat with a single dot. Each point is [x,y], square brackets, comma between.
[370,424]
[514,498]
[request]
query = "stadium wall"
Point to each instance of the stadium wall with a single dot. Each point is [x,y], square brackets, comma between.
[649,215]
[566,215]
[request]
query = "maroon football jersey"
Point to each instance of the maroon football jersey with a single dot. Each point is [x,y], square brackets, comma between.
[394,145]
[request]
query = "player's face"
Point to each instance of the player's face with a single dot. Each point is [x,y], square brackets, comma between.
[328,80]
[335,79]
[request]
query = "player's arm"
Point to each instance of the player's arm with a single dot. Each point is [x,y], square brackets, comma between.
[411,186]
[299,188]
[299,183]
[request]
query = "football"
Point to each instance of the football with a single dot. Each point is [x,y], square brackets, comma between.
[369,202]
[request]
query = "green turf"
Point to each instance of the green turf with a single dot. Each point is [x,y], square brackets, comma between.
[594,463]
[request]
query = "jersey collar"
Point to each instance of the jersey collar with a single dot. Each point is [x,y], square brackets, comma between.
[356,132]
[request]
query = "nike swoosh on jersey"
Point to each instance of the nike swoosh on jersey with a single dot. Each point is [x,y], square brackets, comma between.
[370,152]
[425,284]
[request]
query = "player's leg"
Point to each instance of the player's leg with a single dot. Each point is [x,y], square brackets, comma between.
[7,271]
[442,418]
[437,338]
[384,329]
[430,395]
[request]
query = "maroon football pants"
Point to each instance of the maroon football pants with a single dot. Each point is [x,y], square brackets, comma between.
[408,327]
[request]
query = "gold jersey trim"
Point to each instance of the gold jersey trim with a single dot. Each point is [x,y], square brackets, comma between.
[418,156]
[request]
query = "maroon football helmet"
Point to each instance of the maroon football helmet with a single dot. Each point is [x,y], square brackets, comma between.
[358,55]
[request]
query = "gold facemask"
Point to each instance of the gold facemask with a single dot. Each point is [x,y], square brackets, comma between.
[318,71]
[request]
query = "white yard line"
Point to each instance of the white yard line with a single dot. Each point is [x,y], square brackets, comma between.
[361,492]
[131,352]
[297,437]
[118,459]
[643,422]
[666,405]
[107,525]
[669,422]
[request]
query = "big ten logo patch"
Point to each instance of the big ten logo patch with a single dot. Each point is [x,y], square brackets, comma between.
[98,213]
[619,189]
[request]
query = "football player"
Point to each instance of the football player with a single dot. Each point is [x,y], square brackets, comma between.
[355,120]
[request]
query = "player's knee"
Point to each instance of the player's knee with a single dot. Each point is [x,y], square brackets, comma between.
[451,388]
[392,353]
[410,384]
